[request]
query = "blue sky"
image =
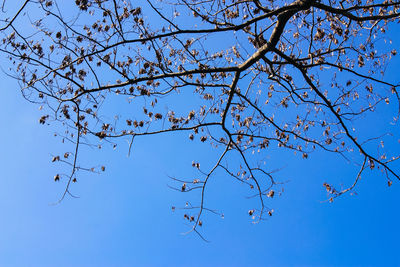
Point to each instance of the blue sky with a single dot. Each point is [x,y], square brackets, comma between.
[123,216]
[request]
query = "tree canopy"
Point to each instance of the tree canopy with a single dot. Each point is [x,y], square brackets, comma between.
[249,78]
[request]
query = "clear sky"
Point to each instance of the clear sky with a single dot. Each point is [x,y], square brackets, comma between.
[123,216]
